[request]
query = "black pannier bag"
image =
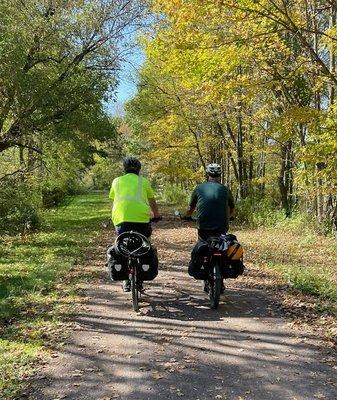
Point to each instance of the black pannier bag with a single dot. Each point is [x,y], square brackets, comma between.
[117,265]
[201,254]
[148,265]
[232,269]
[199,264]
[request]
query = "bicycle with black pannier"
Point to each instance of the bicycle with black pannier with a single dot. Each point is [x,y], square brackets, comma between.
[133,257]
[213,260]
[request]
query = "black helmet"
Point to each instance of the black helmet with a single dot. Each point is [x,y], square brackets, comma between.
[132,164]
[213,170]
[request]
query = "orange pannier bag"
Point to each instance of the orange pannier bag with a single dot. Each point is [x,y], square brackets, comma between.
[234,249]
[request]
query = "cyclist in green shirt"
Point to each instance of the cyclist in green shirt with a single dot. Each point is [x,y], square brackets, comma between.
[133,200]
[214,205]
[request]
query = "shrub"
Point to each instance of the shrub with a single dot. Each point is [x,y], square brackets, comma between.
[312,282]
[53,197]
[19,207]
[174,194]
[255,212]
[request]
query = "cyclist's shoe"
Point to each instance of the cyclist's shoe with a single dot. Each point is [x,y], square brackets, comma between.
[206,286]
[127,286]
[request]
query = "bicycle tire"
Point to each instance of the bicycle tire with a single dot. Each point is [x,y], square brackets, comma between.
[215,286]
[135,293]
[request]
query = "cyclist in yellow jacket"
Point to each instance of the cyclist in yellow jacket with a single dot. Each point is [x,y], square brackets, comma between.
[133,199]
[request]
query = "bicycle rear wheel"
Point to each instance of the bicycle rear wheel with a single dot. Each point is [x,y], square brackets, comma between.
[135,292]
[215,285]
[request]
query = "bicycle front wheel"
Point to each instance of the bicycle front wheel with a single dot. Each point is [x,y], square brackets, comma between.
[135,292]
[215,286]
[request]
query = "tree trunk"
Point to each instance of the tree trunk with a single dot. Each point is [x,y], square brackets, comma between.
[285,179]
[242,171]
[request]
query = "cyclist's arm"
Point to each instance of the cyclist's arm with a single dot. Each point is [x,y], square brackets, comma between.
[231,204]
[112,195]
[190,211]
[193,204]
[231,212]
[112,191]
[151,199]
[154,207]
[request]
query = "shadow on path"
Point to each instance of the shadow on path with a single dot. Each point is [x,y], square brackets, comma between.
[177,347]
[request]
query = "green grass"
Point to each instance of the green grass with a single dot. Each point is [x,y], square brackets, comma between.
[33,284]
[307,262]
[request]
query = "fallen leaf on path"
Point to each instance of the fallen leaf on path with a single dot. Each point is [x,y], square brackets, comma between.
[77,374]
[156,375]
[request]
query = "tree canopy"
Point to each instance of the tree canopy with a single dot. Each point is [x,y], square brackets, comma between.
[248,84]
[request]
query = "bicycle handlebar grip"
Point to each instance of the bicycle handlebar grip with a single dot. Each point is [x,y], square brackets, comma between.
[157,219]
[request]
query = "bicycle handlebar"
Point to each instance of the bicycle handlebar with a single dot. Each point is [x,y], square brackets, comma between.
[156,219]
[186,218]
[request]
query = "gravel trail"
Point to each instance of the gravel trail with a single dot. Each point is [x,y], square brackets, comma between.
[176,347]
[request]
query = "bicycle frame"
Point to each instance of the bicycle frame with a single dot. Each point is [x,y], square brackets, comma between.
[218,256]
[133,264]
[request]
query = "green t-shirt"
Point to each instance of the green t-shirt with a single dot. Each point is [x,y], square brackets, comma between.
[212,201]
[130,194]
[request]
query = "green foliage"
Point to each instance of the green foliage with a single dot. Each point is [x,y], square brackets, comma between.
[33,271]
[20,206]
[172,194]
[102,173]
[59,63]
[16,360]
[53,197]
[316,284]
[242,83]
[304,260]
[256,212]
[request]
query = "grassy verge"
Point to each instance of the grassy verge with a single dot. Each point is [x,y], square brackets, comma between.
[306,262]
[34,274]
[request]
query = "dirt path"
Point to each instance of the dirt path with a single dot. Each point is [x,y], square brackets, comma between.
[178,347]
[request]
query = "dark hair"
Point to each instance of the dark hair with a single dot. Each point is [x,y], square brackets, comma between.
[132,165]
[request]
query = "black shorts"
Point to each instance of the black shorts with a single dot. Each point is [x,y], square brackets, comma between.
[204,234]
[140,227]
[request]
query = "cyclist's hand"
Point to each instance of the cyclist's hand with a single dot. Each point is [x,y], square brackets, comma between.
[156,219]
